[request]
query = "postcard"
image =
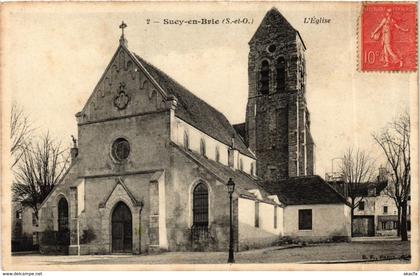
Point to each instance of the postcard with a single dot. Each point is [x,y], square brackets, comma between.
[209,136]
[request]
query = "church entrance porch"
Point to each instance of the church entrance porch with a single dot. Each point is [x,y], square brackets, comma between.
[122,237]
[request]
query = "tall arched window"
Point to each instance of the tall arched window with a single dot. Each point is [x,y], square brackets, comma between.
[217,154]
[281,75]
[265,77]
[252,169]
[63,235]
[200,206]
[241,164]
[202,147]
[186,140]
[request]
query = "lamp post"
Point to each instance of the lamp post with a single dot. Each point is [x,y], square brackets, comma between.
[231,187]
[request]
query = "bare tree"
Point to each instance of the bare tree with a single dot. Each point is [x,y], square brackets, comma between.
[358,170]
[20,130]
[42,166]
[394,141]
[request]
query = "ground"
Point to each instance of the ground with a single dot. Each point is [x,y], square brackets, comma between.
[356,251]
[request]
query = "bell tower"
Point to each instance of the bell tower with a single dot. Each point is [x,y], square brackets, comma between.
[277,119]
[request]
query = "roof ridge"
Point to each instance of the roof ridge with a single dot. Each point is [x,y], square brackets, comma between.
[189,102]
[181,85]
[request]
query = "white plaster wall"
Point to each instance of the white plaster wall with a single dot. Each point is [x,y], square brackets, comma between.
[248,233]
[382,201]
[80,196]
[327,220]
[178,127]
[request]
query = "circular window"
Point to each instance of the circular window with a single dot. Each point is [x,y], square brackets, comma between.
[120,149]
[271,48]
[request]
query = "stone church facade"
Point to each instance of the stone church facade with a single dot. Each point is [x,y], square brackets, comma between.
[150,167]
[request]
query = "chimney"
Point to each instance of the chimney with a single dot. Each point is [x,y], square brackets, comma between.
[382,176]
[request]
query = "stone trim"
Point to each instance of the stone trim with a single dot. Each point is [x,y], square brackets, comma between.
[120,194]
[120,174]
[124,117]
[119,181]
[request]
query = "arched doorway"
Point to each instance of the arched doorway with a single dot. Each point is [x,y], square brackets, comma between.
[63,235]
[122,237]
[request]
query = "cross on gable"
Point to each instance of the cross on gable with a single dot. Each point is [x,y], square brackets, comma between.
[122,27]
[123,41]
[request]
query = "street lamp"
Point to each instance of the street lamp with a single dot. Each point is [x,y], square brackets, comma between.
[231,187]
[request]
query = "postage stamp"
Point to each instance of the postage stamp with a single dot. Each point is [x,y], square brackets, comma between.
[388,37]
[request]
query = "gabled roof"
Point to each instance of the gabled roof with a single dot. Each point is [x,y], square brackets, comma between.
[304,190]
[273,16]
[241,130]
[360,189]
[197,112]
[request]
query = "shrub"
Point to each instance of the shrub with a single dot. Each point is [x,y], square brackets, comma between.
[87,236]
[339,239]
[48,237]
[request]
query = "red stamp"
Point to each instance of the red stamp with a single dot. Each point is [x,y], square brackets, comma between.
[389,37]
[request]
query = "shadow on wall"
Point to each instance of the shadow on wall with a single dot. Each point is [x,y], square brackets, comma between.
[251,237]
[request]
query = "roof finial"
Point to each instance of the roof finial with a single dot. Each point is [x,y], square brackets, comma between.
[123,41]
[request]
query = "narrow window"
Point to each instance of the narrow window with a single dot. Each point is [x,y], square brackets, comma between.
[275,217]
[264,77]
[202,147]
[305,219]
[34,220]
[385,209]
[63,235]
[186,140]
[281,75]
[361,206]
[217,154]
[257,214]
[200,206]
[241,165]
[252,169]
[383,225]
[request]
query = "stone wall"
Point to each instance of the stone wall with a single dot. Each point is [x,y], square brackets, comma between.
[183,176]
[275,122]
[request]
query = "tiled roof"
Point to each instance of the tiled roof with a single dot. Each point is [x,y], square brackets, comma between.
[243,181]
[197,112]
[304,190]
[240,129]
[360,189]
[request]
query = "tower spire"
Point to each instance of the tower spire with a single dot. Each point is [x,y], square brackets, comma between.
[123,41]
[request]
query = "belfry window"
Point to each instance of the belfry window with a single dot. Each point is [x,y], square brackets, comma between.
[217,155]
[281,75]
[200,205]
[265,78]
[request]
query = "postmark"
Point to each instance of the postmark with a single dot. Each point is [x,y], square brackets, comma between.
[388,37]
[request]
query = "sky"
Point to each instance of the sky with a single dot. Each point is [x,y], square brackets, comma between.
[55,54]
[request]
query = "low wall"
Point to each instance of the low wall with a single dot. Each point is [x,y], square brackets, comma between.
[266,234]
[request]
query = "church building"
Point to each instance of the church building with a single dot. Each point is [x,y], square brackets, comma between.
[151,162]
